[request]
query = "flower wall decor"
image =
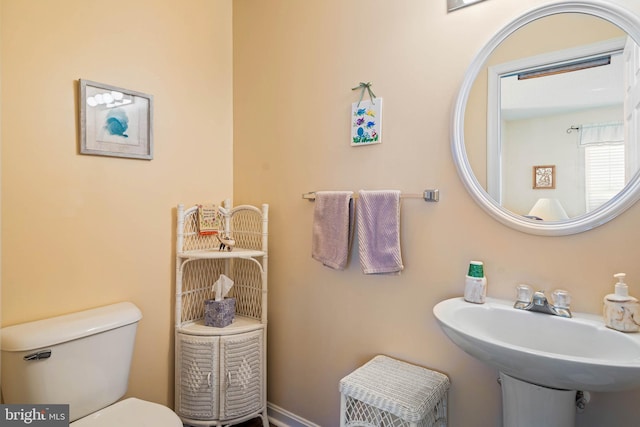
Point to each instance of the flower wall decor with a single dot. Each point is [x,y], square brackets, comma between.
[544,177]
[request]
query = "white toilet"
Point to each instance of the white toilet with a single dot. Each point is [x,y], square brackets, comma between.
[81,359]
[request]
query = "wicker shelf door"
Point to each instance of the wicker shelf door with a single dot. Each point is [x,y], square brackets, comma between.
[242,370]
[198,382]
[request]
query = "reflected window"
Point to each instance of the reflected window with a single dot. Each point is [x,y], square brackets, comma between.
[604,173]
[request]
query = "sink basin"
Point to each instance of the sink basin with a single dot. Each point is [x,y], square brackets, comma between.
[578,353]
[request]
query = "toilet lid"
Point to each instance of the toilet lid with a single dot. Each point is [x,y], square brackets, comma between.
[131,412]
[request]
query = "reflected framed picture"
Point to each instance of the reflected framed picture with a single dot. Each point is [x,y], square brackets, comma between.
[115,122]
[544,177]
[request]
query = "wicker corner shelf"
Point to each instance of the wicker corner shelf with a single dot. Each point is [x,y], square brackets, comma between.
[221,372]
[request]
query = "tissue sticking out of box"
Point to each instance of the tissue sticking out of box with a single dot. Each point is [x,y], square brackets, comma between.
[221,287]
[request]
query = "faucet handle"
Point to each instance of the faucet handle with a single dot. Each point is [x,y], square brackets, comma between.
[524,293]
[561,298]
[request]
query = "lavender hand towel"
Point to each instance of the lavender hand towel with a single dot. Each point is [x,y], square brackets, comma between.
[332,228]
[378,223]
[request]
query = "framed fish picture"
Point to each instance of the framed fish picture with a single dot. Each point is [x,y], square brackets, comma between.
[115,122]
[366,122]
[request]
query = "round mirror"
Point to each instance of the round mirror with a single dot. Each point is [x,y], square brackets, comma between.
[546,127]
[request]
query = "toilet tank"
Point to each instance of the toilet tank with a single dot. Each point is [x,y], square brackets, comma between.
[81,359]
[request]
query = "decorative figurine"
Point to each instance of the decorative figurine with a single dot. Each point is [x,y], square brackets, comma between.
[226,242]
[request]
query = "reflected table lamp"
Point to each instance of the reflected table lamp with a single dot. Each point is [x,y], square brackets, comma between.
[548,210]
[457,4]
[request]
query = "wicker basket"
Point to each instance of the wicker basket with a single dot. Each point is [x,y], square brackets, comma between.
[386,392]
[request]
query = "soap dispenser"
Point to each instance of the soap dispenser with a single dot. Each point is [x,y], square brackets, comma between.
[621,311]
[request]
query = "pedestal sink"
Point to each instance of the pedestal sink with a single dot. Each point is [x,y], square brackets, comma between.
[543,360]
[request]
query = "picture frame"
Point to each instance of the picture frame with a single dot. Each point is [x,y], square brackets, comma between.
[544,177]
[115,122]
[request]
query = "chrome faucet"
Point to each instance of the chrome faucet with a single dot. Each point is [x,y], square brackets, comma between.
[537,301]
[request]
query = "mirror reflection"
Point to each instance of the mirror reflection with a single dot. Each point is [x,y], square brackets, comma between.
[546,131]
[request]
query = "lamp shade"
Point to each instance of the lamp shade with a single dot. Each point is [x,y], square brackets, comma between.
[548,210]
[457,4]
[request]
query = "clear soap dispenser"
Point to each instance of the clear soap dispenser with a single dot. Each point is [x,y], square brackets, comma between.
[621,311]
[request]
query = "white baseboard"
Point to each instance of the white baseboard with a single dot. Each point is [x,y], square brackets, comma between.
[280,417]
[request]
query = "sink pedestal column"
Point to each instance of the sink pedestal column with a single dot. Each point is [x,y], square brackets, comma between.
[530,405]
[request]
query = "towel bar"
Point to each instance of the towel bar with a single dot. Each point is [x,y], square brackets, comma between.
[428,195]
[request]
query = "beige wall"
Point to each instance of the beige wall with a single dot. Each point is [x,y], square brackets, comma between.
[82,231]
[295,63]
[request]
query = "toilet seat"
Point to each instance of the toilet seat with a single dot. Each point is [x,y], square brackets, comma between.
[131,412]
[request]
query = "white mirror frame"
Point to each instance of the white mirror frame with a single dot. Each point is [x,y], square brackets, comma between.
[623,18]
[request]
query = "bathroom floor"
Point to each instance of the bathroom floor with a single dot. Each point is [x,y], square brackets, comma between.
[256,422]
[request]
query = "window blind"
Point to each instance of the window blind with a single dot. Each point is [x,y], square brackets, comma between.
[604,173]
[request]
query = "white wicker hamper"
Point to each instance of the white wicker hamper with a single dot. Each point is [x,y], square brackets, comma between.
[386,392]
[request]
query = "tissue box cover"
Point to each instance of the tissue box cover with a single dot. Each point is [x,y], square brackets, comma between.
[219,313]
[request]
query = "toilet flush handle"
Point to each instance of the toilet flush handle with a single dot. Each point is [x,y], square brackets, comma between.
[39,355]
